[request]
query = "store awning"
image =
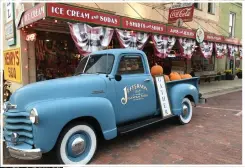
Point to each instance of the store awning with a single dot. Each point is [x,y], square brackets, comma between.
[56,15]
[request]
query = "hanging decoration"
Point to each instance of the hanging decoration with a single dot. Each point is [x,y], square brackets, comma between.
[163,45]
[206,49]
[90,39]
[187,47]
[132,39]
[221,50]
[232,49]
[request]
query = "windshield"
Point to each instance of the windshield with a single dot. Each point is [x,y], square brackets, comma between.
[95,64]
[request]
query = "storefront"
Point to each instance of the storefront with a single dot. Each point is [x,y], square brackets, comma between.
[58,35]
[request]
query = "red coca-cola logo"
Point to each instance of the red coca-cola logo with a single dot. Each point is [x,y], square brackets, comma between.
[180,13]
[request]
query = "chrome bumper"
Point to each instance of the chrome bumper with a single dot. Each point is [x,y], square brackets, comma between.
[25,154]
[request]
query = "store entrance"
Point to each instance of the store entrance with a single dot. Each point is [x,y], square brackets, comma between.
[56,55]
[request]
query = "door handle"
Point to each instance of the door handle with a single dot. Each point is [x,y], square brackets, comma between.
[146,80]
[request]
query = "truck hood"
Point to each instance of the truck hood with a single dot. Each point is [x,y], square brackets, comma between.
[76,86]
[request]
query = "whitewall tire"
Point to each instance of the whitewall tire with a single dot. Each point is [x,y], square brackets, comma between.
[186,113]
[77,144]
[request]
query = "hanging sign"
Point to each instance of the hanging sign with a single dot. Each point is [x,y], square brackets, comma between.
[62,11]
[9,25]
[31,37]
[199,35]
[134,24]
[163,96]
[12,65]
[182,11]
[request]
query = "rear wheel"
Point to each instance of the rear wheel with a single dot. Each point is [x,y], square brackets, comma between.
[77,144]
[186,114]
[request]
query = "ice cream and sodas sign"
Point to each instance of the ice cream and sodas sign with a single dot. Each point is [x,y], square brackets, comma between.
[83,15]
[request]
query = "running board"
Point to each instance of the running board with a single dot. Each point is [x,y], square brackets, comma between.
[131,127]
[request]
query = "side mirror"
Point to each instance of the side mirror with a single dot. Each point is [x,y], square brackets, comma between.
[118,77]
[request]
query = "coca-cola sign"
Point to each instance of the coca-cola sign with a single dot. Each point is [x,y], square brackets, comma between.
[184,13]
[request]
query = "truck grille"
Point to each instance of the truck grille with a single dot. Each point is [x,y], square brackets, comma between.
[18,122]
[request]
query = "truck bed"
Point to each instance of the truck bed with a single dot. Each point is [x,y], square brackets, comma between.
[193,81]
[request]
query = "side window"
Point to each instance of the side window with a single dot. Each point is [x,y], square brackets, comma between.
[131,65]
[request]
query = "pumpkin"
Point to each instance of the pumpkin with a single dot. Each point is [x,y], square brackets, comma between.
[166,78]
[174,76]
[185,76]
[156,70]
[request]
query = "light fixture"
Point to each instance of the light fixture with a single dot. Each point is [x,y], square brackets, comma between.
[47,40]
[55,21]
[151,42]
[26,26]
[44,18]
[31,25]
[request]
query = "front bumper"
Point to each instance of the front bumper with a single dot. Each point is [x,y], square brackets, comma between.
[25,154]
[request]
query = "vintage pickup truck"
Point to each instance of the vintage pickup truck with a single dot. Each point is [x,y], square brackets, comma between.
[111,93]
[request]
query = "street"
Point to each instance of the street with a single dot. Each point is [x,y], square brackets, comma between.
[214,136]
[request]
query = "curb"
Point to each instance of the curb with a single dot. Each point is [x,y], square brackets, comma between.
[221,92]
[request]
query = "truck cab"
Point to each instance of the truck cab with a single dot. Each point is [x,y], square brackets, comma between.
[111,93]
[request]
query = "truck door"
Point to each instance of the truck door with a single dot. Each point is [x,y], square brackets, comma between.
[135,92]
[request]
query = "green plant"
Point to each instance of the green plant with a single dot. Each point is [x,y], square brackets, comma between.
[227,71]
[238,70]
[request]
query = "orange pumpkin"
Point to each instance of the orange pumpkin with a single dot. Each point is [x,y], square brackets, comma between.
[156,70]
[174,76]
[166,78]
[186,76]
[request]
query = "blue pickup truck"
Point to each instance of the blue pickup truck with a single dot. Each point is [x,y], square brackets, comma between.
[111,93]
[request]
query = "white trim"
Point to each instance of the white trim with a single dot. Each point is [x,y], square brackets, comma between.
[65,139]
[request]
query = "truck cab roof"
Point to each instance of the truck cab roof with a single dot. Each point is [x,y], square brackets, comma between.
[118,51]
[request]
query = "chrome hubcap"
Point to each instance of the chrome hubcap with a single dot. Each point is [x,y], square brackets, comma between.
[185,110]
[78,146]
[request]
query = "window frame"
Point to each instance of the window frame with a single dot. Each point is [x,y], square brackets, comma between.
[131,55]
[212,12]
[199,6]
[232,33]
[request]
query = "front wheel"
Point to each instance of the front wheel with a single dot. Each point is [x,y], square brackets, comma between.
[77,144]
[186,114]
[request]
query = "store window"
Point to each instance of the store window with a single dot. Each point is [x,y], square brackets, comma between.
[199,63]
[131,65]
[232,24]
[211,8]
[198,6]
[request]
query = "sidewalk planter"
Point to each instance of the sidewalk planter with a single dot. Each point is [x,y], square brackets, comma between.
[229,77]
[239,75]
[223,77]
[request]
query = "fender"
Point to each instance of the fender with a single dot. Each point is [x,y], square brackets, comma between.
[53,115]
[178,92]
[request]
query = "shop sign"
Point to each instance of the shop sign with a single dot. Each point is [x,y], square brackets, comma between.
[199,35]
[232,41]
[163,96]
[31,37]
[181,11]
[180,32]
[213,37]
[12,65]
[134,24]
[83,15]
[9,25]
[33,15]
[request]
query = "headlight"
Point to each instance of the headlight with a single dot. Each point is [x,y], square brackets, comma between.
[34,116]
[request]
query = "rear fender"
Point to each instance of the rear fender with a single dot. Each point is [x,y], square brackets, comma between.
[178,92]
[55,114]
